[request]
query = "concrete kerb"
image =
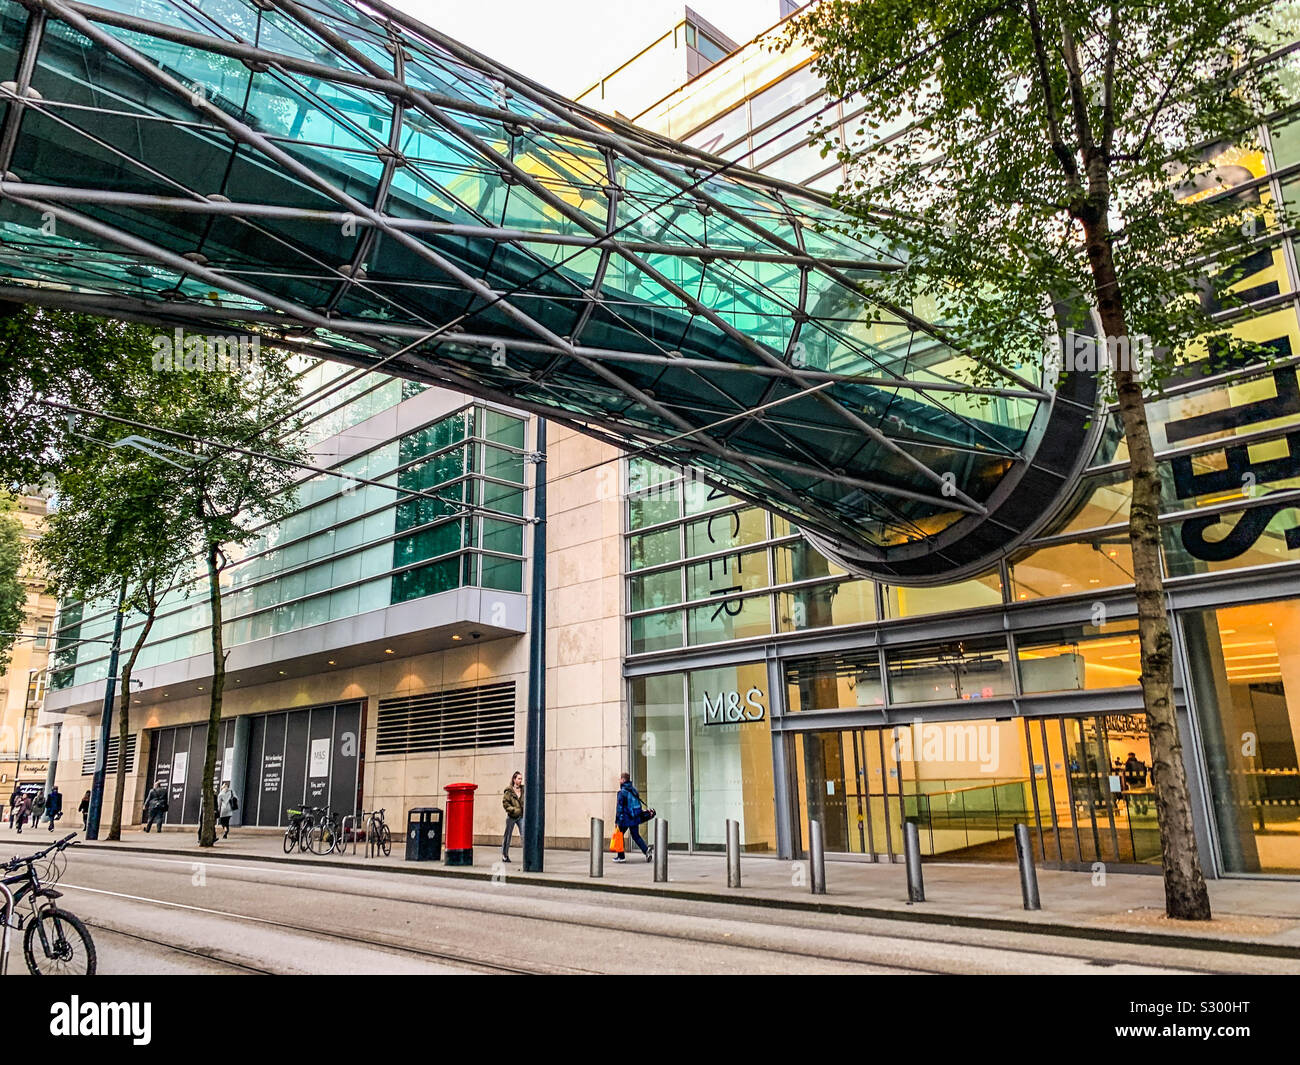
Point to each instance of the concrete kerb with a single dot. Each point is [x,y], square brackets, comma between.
[1137,937]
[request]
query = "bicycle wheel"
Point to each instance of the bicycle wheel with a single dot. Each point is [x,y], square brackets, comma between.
[322,838]
[57,943]
[385,840]
[290,839]
[304,836]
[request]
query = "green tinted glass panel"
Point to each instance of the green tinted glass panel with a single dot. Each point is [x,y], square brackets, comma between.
[506,537]
[429,543]
[655,589]
[440,576]
[504,573]
[501,497]
[653,505]
[655,632]
[435,437]
[503,429]
[654,549]
[501,464]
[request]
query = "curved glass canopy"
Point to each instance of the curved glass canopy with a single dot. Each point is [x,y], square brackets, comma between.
[358,186]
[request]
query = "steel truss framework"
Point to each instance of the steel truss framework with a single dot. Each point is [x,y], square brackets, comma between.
[356,185]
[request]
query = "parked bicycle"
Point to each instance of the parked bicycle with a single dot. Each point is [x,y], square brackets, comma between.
[326,832]
[295,835]
[55,942]
[377,833]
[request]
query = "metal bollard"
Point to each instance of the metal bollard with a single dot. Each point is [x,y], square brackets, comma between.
[597,847]
[733,853]
[912,851]
[661,850]
[1028,874]
[816,858]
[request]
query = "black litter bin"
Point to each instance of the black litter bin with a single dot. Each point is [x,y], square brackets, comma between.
[424,834]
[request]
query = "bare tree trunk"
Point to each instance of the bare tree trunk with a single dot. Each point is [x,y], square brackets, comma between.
[124,730]
[208,811]
[1186,896]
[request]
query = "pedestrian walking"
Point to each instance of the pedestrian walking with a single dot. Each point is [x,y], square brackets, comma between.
[629,814]
[84,809]
[512,801]
[38,809]
[24,812]
[227,804]
[155,806]
[15,797]
[53,806]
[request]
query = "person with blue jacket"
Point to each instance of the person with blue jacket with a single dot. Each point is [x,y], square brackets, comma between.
[628,815]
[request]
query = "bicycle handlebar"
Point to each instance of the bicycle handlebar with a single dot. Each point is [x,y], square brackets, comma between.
[59,844]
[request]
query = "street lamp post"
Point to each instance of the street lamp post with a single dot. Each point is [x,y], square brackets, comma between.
[535,756]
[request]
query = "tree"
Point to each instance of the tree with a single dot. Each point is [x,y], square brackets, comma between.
[13,592]
[117,527]
[238,476]
[49,355]
[115,532]
[1066,151]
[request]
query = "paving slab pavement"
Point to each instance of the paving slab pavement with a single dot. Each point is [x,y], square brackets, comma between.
[1260,914]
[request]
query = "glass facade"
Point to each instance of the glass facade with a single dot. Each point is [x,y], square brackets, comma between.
[349,548]
[703,755]
[705,570]
[1244,663]
[1080,784]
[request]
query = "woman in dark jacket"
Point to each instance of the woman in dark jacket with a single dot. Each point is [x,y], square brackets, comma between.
[512,801]
[627,816]
[83,808]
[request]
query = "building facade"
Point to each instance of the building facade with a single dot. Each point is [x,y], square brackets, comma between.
[766,684]
[379,643]
[24,746]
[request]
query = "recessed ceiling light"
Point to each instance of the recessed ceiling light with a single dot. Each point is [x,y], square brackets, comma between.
[331,662]
[388,650]
[456,636]
[282,672]
[200,687]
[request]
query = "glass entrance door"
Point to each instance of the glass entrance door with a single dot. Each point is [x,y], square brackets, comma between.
[851,781]
[1081,785]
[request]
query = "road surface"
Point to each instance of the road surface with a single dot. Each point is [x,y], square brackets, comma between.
[164,914]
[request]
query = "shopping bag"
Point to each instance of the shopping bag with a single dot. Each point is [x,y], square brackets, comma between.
[616,841]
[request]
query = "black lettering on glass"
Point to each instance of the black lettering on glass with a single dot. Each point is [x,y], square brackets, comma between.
[1249,528]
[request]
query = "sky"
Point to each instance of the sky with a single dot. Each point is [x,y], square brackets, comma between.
[568,45]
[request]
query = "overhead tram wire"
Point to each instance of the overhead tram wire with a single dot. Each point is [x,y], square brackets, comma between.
[715,172]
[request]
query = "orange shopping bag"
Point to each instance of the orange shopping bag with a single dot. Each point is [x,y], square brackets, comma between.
[616,841]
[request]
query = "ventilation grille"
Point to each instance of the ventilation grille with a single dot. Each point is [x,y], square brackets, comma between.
[92,745]
[456,720]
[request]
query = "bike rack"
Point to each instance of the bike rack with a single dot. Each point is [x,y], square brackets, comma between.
[372,842]
[10,911]
[349,833]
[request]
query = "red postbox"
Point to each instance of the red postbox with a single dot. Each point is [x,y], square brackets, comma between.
[460,823]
